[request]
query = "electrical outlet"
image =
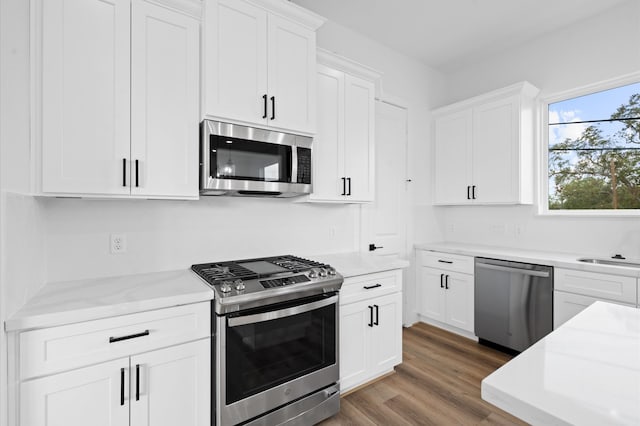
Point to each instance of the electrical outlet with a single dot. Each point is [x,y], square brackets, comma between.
[118,243]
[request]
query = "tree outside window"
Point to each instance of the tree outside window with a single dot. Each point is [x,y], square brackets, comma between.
[594,151]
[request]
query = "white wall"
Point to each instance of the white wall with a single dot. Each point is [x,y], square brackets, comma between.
[21,234]
[590,51]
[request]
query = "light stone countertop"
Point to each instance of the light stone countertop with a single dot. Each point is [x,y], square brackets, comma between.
[354,264]
[586,372]
[550,258]
[83,300]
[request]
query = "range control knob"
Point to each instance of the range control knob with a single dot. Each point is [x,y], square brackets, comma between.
[239,284]
[331,271]
[313,274]
[225,287]
[322,273]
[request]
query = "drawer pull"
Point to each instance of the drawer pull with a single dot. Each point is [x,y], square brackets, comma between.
[369,287]
[131,336]
[445,261]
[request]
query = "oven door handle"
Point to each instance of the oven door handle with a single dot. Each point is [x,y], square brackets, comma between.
[268,316]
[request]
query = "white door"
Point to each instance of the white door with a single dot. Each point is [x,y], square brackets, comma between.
[452,158]
[96,396]
[384,222]
[386,342]
[328,144]
[291,75]
[85,96]
[495,142]
[354,337]
[164,104]
[359,138]
[459,301]
[430,291]
[235,58]
[172,386]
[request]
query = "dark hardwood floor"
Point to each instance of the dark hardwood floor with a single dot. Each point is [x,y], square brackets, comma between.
[438,383]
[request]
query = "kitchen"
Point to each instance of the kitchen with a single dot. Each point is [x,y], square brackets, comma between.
[48,240]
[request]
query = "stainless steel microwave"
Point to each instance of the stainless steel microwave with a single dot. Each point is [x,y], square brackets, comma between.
[247,161]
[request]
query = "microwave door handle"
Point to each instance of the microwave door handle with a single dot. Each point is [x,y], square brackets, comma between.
[268,316]
[294,164]
[205,153]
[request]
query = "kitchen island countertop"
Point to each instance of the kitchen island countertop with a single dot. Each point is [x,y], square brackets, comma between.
[586,372]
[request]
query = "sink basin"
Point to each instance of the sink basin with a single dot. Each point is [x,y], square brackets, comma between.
[612,262]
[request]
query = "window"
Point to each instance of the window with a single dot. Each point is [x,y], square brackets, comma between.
[594,151]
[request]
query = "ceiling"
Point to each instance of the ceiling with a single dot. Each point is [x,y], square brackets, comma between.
[448,34]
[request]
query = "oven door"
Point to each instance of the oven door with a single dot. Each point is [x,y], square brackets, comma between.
[269,356]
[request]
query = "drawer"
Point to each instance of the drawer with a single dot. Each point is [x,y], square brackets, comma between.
[568,305]
[604,286]
[450,262]
[367,286]
[55,349]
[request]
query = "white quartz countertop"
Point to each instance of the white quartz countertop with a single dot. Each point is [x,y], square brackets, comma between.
[354,264]
[551,258]
[586,372]
[75,301]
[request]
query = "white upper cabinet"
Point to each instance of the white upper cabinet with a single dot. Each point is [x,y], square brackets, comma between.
[344,146]
[164,102]
[484,148]
[119,98]
[85,96]
[259,64]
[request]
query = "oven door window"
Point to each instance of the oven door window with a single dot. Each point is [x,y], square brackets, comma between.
[233,158]
[265,354]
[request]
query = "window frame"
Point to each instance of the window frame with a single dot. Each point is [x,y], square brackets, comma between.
[543,157]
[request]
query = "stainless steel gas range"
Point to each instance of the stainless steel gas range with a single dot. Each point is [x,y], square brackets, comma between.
[275,330]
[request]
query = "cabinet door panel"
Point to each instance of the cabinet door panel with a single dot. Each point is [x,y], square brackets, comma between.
[387,334]
[328,145]
[291,75]
[568,305]
[85,96]
[359,137]
[452,158]
[165,61]
[431,294]
[495,151]
[354,338]
[459,301]
[86,396]
[235,58]
[172,386]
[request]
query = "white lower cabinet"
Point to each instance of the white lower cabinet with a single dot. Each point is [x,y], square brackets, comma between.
[370,327]
[154,385]
[446,295]
[568,305]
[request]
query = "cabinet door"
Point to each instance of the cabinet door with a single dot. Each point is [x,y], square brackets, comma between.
[359,146]
[386,339]
[235,61]
[568,305]
[431,293]
[354,337]
[328,145]
[495,151]
[459,301]
[85,96]
[97,396]
[172,386]
[452,158]
[291,75]
[164,103]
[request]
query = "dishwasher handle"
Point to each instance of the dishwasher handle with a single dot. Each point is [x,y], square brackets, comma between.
[529,272]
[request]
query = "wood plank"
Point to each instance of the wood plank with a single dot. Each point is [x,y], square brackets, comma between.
[437,383]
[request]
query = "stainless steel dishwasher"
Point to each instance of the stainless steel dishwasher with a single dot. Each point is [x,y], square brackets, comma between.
[513,302]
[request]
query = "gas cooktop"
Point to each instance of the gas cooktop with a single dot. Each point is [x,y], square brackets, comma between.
[242,284]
